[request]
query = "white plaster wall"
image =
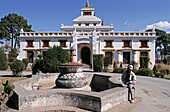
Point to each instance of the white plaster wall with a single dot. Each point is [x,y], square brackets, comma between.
[115,56]
[53,42]
[135,43]
[151,45]
[102,44]
[36,43]
[118,44]
[23,44]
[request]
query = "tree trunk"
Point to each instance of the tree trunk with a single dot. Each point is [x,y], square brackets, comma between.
[12,40]
[15,43]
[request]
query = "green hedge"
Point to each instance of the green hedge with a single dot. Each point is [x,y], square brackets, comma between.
[144,72]
[163,71]
[144,60]
[118,70]
[51,61]
[160,75]
[17,67]
[25,61]
[98,61]
[105,69]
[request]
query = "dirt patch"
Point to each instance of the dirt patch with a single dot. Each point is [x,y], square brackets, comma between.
[12,79]
[49,84]
[165,67]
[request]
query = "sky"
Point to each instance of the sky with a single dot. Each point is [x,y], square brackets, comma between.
[125,15]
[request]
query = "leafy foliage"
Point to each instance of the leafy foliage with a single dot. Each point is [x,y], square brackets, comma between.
[13,54]
[11,25]
[98,61]
[37,66]
[118,70]
[16,67]
[114,66]
[6,90]
[164,61]
[51,61]
[163,71]
[144,72]
[162,75]
[144,62]
[25,61]
[155,70]
[105,69]
[162,40]
[3,61]
[40,56]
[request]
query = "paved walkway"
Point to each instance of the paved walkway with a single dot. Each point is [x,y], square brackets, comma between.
[10,73]
[152,95]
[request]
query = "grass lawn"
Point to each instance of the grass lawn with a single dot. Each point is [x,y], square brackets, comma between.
[13,79]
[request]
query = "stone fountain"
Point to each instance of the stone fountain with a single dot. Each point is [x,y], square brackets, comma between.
[71,76]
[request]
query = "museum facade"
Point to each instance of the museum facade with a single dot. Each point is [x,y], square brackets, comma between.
[88,36]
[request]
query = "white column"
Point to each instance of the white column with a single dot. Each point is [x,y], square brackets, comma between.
[75,45]
[135,57]
[119,57]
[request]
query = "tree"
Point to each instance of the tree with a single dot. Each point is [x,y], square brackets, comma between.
[13,54]
[162,41]
[51,61]
[17,67]
[3,61]
[10,27]
[98,61]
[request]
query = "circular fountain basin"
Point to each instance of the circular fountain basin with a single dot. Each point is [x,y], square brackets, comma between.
[108,94]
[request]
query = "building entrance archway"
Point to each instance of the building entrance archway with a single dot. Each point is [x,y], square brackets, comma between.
[85,55]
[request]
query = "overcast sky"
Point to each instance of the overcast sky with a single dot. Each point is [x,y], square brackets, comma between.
[125,15]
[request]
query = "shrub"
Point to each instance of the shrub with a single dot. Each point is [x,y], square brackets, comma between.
[163,71]
[118,70]
[57,52]
[115,64]
[13,54]
[98,62]
[164,61]
[51,61]
[3,61]
[40,56]
[159,75]
[155,70]
[144,72]
[162,75]
[167,71]
[25,61]
[144,60]
[135,70]
[50,66]
[121,65]
[16,67]
[105,69]
[37,66]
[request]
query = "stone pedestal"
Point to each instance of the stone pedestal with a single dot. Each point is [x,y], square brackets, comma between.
[71,76]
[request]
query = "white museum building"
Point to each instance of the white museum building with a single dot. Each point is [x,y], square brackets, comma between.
[88,36]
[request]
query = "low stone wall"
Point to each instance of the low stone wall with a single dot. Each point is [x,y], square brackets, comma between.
[26,98]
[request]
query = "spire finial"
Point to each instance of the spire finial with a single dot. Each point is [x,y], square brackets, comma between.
[87,4]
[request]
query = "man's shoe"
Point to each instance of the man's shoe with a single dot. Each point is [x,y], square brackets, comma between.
[132,101]
[133,87]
